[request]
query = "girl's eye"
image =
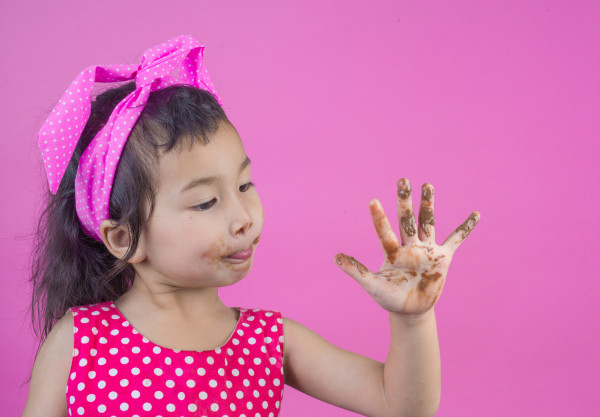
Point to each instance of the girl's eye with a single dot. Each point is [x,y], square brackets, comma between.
[206,206]
[246,187]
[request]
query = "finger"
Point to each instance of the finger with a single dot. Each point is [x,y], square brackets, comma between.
[406,215]
[426,218]
[356,270]
[387,237]
[460,234]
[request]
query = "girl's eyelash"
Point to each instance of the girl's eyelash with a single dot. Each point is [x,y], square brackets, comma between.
[248,184]
[209,204]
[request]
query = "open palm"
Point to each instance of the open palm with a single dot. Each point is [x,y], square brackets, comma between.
[413,273]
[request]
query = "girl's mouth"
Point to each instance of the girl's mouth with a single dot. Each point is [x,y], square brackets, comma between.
[242,256]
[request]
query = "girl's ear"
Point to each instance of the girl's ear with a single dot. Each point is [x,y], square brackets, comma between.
[117,240]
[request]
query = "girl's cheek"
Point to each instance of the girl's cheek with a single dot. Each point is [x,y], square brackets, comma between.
[259,213]
[216,250]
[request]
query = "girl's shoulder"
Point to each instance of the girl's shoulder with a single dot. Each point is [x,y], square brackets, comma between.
[51,371]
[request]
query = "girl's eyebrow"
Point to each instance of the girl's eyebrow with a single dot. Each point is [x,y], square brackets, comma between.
[208,180]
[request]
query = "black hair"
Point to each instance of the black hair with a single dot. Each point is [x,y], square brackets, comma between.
[70,268]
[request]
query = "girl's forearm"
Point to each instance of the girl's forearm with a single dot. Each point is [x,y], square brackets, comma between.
[412,375]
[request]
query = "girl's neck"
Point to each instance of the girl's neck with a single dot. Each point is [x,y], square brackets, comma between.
[177,304]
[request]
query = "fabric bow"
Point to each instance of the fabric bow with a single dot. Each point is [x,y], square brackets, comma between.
[60,133]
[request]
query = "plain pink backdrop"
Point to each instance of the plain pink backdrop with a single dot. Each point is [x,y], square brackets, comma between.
[494,103]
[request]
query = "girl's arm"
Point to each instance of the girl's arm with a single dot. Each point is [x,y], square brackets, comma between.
[47,389]
[412,374]
[408,384]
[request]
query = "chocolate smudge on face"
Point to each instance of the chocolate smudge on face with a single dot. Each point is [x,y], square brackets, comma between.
[428,279]
[467,226]
[408,223]
[218,250]
[413,273]
[404,189]
[223,252]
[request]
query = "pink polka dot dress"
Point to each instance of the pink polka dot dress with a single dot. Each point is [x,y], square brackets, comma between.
[116,371]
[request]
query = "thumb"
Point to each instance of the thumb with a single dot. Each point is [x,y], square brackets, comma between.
[356,270]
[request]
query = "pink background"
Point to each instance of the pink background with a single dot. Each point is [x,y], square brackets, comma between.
[494,103]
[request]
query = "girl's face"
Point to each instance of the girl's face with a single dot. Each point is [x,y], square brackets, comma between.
[206,209]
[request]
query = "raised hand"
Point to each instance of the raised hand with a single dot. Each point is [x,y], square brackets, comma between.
[412,277]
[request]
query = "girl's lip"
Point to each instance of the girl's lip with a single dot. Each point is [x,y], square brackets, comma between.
[242,255]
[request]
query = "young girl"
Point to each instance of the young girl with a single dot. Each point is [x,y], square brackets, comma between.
[129,262]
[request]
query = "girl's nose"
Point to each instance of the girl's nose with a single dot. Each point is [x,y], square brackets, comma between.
[241,218]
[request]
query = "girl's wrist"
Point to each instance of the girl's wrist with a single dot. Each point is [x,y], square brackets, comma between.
[412,319]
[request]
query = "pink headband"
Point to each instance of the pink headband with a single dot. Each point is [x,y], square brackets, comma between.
[61,131]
